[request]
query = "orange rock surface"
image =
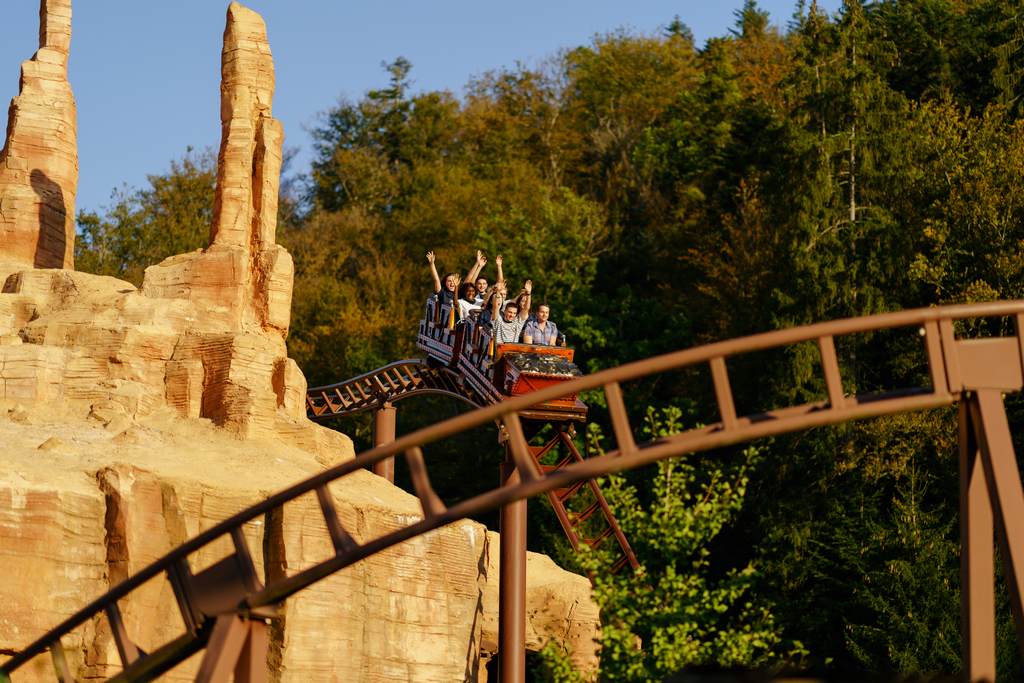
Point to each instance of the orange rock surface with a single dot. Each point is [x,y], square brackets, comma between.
[39,160]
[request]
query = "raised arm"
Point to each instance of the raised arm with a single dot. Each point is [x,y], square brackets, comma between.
[481,261]
[495,305]
[497,262]
[433,271]
[524,302]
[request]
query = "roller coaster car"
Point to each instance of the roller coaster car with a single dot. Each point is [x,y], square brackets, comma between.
[498,371]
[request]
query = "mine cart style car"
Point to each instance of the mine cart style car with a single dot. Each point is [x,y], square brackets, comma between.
[498,371]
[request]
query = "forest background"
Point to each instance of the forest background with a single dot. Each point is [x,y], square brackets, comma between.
[663,195]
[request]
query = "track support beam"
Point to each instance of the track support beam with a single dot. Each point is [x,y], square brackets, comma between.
[512,582]
[977,567]
[991,498]
[383,434]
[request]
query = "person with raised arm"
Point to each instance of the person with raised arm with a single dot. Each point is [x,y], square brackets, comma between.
[446,287]
[443,287]
[507,325]
[495,292]
[481,285]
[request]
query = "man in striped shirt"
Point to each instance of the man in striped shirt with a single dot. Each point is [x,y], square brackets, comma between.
[507,325]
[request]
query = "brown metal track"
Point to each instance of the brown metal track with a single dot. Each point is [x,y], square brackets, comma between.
[218,596]
[390,383]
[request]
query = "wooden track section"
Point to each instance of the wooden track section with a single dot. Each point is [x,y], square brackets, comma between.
[223,606]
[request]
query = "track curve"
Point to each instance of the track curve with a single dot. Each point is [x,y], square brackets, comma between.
[955,366]
[393,382]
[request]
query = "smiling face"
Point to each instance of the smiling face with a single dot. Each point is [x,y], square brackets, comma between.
[470,293]
[481,284]
[542,314]
[449,283]
[510,312]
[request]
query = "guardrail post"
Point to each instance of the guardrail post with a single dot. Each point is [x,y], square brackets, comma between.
[383,434]
[512,582]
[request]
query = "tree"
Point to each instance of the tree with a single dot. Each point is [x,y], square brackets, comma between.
[143,227]
[682,607]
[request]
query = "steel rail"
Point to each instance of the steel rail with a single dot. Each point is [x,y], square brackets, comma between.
[319,398]
[732,429]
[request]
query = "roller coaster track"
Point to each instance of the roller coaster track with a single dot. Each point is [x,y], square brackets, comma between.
[224,607]
[406,378]
[390,383]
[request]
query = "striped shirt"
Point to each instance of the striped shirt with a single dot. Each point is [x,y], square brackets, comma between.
[507,333]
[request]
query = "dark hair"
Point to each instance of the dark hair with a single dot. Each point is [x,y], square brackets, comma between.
[464,287]
[544,304]
[512,303]
[444,278]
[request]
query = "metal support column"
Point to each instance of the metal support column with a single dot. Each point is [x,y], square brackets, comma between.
[383,434]
[977,563]
[512,583]
[1006,495]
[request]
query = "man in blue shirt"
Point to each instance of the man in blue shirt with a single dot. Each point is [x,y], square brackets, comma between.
[541,331]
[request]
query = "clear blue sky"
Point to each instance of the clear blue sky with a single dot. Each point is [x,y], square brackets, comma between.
[146,74]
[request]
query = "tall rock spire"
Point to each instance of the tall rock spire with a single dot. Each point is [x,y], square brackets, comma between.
[39,160]
[243,279]
[243,273]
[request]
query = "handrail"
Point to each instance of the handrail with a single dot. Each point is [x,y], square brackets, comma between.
[938,339]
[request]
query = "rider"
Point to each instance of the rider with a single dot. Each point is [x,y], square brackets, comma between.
[507,325]
[541,331]
[446,287]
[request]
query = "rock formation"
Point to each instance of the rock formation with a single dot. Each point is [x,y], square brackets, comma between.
[39,160]
[72,526]
[243,275]
[558,607]
[132,419]
[243,279]
[213,323]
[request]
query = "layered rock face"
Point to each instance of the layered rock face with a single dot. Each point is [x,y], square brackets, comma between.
[133,419]
[78,516]
[559,607]
[39,160]
[243,278]
[88,340]
[206,332]
[243,274]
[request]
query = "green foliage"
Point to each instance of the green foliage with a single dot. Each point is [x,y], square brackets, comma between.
[911,586]
[143,227]
[682,606]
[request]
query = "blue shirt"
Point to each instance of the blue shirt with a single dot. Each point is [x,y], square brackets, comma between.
[546,337]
